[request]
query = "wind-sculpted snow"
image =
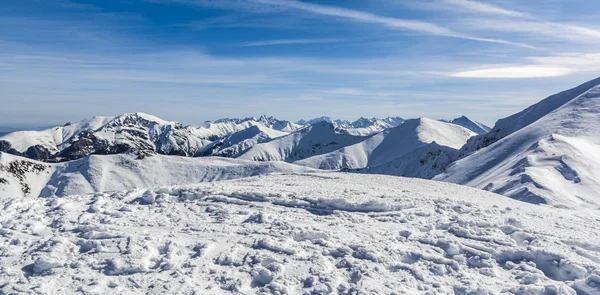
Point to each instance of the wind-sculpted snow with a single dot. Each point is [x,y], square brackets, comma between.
[20,176]
[555,160]
[331,233]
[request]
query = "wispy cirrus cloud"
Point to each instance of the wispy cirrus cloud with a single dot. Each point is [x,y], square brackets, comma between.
[289,42]
[391,22]
[548,36]
[480,7]
[538,67]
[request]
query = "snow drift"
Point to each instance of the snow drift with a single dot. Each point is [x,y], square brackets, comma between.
[297,234]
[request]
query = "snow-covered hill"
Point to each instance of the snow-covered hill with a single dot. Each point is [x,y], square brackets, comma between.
[478,128]
[360,127]
[240,141]
[381,148]
[297,234]
[554,160]
[425,162]
[97,173]
[316,139]
[52,138]
[106,135]
[224,127]
[511,124]
[416,133]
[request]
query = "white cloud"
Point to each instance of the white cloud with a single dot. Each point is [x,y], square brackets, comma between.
[288,42]
[486,8]
[394,23]
[514,72]
[539,66]
[345,91]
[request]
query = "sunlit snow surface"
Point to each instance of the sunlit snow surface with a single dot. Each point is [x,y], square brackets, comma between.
[328,233]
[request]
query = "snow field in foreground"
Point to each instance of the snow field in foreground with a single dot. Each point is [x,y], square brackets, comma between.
[297,234]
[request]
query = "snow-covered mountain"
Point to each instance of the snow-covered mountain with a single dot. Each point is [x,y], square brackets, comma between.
[227,126]
[316,139]
[240,141]
[383,147]
[478,128]
[361,127]
[296,234]
[106,135]
[425,162]
[509,125]
[99,173]
[554,160]
[50,139]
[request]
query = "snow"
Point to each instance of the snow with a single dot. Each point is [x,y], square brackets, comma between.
[511,124]
[423,162]
[53,137]
[316,139]
[555,160]
[123,171]
[322,146]
[478,128]
[415,133]
[317,233]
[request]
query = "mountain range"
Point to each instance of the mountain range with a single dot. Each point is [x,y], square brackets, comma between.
[545,154]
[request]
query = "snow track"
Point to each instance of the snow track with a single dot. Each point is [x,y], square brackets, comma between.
[297,234]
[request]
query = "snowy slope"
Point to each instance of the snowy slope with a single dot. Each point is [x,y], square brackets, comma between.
[474,126]
[415,133]
[423,162]
[348,157]
[120,172]
[53,137]
[224,127]
[316,139]
[554,160]
[383,147]
[361,127]
[240,141]
[511,124]
[297,234]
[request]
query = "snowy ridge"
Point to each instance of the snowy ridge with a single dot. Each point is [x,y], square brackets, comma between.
[423,162]
[297,234]
[555,160]
[415,133]
[54,137]
[360,127]
[316,139]
[100,173]
[511,124]
[227,126]
[474,126]
[392,144]
[240,141]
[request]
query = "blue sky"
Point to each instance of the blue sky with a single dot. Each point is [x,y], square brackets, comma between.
[197,60]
